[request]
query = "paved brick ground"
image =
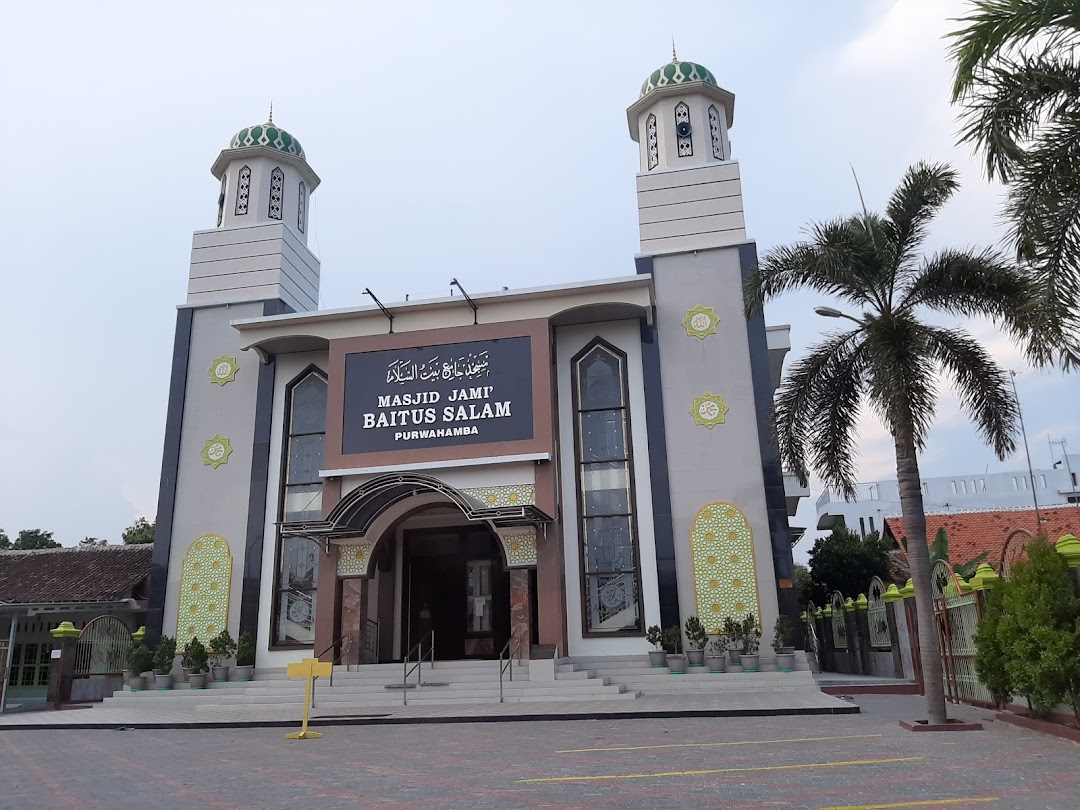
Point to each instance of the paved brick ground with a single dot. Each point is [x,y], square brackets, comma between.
[864,760]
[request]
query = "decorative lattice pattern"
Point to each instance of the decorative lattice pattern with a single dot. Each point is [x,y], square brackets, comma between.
[301,207]
[714,133]
[685,142]
[877,616]
[509,495]
[725,574]
[651,142]
[243,191]
[353,558]
[205,575]
[221,201]
[277,193]
[520,545]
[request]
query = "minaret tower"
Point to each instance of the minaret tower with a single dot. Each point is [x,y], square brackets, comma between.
[729,552]
[255,262]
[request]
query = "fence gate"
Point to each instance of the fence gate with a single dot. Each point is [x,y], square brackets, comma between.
[877,616]
[102,647]
[957,614]
[839,623]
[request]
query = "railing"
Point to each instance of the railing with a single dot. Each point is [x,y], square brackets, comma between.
[508,651]
[344,642]
[406,671]
[371,641]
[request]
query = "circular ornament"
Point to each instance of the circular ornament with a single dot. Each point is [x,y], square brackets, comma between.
[223,370]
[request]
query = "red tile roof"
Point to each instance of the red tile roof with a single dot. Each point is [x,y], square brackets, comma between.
[972,533]
[79,574]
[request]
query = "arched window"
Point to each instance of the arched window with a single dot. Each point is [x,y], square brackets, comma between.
[651,142]
[277,192]
[715,134]
[221,201]
[685,142]
[301,207]
[243,190]
[303,448]
[611,587]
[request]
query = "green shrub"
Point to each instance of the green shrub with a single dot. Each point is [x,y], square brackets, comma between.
[655,636]
[750,634]
[139,658]
[222,647]
[672,640]
[194,658]
[245,650]
[695,633]
[165,653]
[783,632]
[732,633]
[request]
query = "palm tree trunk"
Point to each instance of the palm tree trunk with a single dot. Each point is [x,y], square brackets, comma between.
[918,554]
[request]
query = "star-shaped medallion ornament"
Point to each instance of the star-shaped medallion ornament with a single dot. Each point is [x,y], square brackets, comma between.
[223,370]
[216,451]
[709,410]
[700,322]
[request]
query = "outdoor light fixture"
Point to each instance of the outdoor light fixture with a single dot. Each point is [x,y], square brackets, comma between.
[828,312]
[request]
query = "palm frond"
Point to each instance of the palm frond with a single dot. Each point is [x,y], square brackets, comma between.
[901,382]
[1000,27]
[982,384]
[800,402]
[923,190]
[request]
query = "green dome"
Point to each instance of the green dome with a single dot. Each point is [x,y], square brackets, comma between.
[677,73]
[269,135]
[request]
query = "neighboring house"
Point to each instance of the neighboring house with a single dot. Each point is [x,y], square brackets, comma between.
[1001,533]
[41,588]
[1056,486]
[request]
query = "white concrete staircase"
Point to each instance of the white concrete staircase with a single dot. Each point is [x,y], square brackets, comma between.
[366,688]
[636,674]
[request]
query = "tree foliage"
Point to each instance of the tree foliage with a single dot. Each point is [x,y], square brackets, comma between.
[35,539]
[93,541]
[802,584]
[1029,642]
[141,531]
[5,541]
[846,562]
[939,550]
[894,358]
[1018,79]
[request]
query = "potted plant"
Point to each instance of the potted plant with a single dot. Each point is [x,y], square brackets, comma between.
[245,657]
[164,657]
[139,660]
[751,637]
[222,647]
[655,636]
[194,661]
[781,644]
[733,636]
[676,661]
[714,656]
[695,642]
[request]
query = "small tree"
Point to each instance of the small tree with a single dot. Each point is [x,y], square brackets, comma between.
[672,640]
[165,654]
[751,635]
[654,635]
[141,531]
[245,650]
[139,658]
[222,647]
[843,561]
[733,633]
[695,634]
[783,633]
[35,539]
[5,541]
[194,658]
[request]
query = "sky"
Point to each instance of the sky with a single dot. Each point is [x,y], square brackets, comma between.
[483,141]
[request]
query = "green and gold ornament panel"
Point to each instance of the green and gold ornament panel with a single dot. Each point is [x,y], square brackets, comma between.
[520,545]
[725,574]
[205,574]
[709,410]
[700,322]
[509,495]
[223,369]
[216,451]
[353,558]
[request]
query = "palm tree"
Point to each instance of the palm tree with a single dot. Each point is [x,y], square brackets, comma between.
[1019,82]
[890,358]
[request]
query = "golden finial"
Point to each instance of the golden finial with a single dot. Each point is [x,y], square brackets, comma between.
[674,57]
[270,120]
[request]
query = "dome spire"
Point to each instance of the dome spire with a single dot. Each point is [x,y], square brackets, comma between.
[270,118]
[674,57]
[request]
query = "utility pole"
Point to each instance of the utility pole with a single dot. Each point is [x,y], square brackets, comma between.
[1031,473]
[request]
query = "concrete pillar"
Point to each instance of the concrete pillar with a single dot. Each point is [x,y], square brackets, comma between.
[62,664]
[862,626]
[520,612]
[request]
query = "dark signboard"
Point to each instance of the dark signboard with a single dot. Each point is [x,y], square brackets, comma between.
[438,396]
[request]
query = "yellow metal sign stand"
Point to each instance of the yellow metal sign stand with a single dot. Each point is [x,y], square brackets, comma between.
[309,668]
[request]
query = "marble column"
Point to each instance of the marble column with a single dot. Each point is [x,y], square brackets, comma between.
[353,602]
[326,602]
[520,611]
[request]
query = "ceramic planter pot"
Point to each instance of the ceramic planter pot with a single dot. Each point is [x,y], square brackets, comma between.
[658,658]
[220,673]
[749,662]
[197,681]
[787,650]
[785,662]
[696,658]
[136,682]
[163,681]
[715,663]
[186,671]
[243,673]
[677,664]
[734,655]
